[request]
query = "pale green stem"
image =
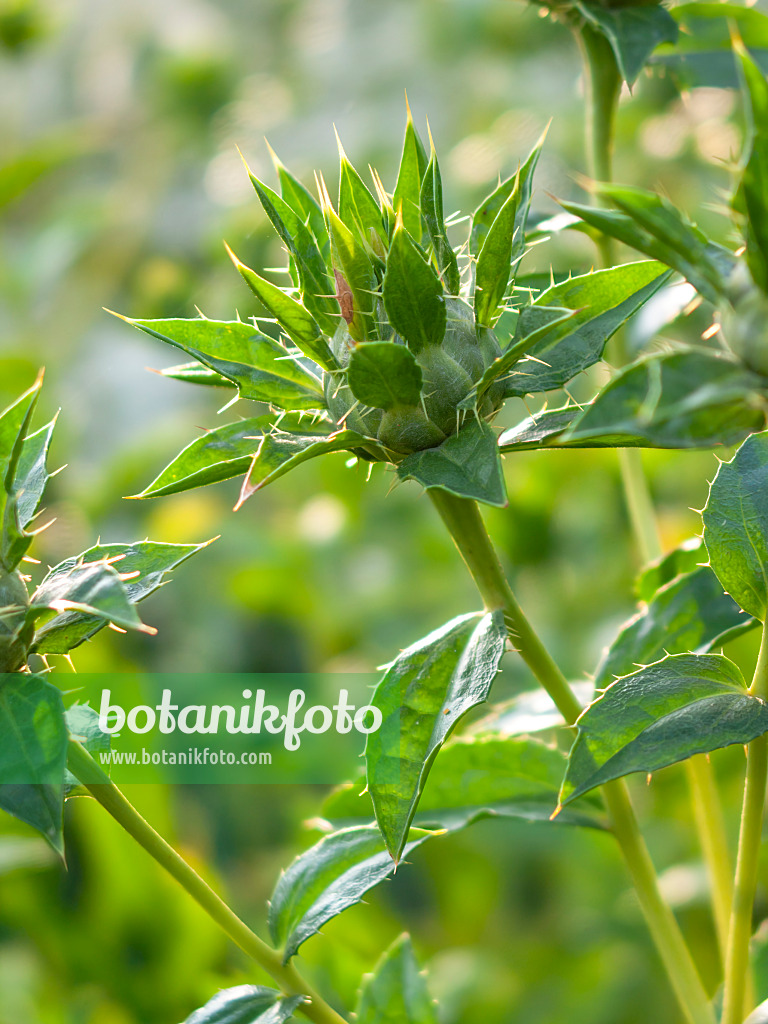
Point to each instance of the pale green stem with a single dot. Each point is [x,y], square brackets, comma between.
[710,825]
[737,965]
[98,784]
[603,82]
[465,524]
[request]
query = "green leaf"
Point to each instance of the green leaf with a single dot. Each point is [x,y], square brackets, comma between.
[357,207]
[703,54]
[736,525]
[297,322]
[648,224]
[482,776]
[407,194]
[426,691]
[316,286]
[221,454]
[280,453]
[382,374]
[247,1004]
[752,195]
[413,296]
[486,213]
[432,210]
[92,588]
[601,303]
[84,727]
[684,705]
[258,365]
[14,427]
[303,203]
[494,263]
[633,33]
[689,399]
[33,754]
[542,328]
[544,430]
[683,559]
[350,259]
[32,472]
[466,464]
[331,876]
[147,563]
[396,992]
[196,373]
[690,614]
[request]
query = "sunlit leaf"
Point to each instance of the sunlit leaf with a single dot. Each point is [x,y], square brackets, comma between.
[689,399]
[247,1004]
[413,296]
[256,363]
[147,563]
[331,876]
[426,690]
[684,705]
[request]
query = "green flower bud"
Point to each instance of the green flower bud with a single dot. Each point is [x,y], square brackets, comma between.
[15,637]
[406,429]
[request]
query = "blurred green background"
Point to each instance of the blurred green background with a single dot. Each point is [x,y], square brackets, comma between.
[119,178]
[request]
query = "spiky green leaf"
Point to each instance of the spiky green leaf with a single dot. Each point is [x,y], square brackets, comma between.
[633,32]
[260,367]
[467,464]
[426,690]
[689,399]
[413,296]
[684,705]
[736,525]
[331,876]
[146,563]
[33,754]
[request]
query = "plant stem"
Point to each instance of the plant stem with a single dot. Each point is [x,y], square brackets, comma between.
[737,966]
[99,785]
[465,524]
[603,90]
[710,825]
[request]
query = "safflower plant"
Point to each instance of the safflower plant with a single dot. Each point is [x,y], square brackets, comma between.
[395,346]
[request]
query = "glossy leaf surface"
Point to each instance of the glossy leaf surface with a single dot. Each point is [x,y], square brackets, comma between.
[331,876]
[736,525]
[684,705]
[247,1004]
[426,690]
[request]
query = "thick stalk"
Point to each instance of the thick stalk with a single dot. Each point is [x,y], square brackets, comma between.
[737,966]
[603,82]
[88,772]
[464,522]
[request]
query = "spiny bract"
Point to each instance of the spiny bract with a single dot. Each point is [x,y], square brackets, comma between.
[388,342]
[384,315]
